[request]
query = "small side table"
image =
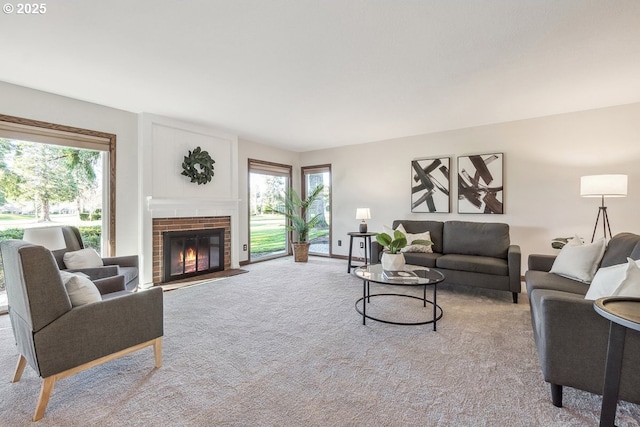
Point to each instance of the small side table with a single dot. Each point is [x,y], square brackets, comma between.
[624,313]
[367,249]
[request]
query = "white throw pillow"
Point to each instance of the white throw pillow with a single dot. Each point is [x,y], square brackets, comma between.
[84,258]
[579,262]
[630,286]
[80,289]
[418,248]
[606,281]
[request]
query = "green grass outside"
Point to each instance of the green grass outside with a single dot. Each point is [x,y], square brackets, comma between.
[268,234]
[15,217]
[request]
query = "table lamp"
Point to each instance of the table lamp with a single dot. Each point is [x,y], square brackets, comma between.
[363,213]
[603,186]
[49,237]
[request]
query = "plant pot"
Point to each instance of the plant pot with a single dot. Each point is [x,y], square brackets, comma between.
[300,252]
[393,262]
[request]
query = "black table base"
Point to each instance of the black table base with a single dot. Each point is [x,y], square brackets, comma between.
[366,298]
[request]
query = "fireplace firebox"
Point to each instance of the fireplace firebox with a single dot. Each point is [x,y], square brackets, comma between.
[192,253]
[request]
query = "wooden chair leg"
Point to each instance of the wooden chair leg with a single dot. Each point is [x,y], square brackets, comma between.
[157,350]
[45,393]
[22,362]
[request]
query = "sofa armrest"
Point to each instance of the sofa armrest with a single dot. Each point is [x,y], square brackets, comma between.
[110,284]
[571,339]
[541,262]
[92,331]
[96,273]
[122,261]
[514,260]
[376,252]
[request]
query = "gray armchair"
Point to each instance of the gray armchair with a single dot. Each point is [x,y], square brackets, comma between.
[58,340]
[126,266]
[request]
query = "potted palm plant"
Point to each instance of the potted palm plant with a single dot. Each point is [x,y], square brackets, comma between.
[392,257]
[295,210]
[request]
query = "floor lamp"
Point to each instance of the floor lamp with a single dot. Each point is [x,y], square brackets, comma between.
[603,186]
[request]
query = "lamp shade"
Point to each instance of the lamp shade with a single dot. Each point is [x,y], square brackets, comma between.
[49,237]
[603,185]
[363,213]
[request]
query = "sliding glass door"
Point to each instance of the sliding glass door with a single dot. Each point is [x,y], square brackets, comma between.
[268,237]
[320,235]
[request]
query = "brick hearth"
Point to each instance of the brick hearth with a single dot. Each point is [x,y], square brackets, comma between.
[161,225]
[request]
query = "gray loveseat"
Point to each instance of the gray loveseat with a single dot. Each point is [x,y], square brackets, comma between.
[570,337]
[467,253]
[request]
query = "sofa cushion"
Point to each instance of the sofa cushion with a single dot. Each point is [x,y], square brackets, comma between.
[474,264]
[476,238]
[579,262]
[421,258]
[434,228]
[620,248]
[543,280]
[129,273]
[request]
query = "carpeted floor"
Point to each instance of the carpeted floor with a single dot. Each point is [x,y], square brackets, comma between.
[283,346]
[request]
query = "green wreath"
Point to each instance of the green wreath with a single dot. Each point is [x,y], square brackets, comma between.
[198,166]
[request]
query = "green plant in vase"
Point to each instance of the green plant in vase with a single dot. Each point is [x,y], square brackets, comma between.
[393,258]
[295,210]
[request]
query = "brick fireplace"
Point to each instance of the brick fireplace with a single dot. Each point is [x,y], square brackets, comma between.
[162,225]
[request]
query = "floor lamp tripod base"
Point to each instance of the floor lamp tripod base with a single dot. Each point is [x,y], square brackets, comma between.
[602,210]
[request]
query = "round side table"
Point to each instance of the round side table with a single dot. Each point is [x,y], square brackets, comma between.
[623,313]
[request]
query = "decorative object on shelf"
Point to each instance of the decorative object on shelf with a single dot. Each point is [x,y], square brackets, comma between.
[363,214]
[400,276]
[392,258]
[559,242]
[430,185]
[295,210]
[603,186]
[480,184]
[198,165]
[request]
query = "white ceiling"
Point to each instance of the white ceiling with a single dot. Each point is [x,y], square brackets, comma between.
[304,74]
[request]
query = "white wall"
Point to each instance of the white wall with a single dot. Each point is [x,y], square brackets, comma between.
[36,105]
[543,161]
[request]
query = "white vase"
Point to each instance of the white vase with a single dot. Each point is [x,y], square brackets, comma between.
[393,262]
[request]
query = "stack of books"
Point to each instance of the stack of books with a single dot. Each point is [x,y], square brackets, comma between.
[400,276]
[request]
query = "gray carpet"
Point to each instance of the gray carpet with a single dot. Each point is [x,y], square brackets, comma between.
[283,346]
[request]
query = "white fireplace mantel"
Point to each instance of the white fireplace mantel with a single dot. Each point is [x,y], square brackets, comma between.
[176,207]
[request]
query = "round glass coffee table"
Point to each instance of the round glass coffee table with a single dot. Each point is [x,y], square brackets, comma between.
[412,275]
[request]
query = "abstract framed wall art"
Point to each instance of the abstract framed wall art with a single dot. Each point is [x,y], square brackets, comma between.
[480,184]
[430,185]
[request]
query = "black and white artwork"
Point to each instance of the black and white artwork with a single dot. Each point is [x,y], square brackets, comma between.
[480,184]
[430,187]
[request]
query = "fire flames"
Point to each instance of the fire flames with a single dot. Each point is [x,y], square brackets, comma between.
[189,260]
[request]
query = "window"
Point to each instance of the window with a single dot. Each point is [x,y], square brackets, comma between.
[320,235]
[93,144]
[268,237]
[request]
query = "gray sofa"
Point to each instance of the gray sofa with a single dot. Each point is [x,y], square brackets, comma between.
[570,337]
[468,253]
